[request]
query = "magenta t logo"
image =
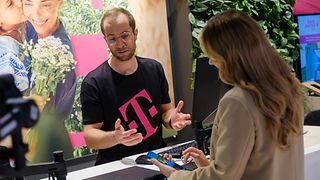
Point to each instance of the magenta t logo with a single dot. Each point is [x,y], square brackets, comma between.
[142,117]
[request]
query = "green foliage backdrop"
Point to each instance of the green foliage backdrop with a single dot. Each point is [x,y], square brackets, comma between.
[274,16]
[79,17]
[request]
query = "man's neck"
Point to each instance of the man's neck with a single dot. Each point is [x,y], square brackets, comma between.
[124,67]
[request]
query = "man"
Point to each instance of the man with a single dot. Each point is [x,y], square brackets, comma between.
[125,100]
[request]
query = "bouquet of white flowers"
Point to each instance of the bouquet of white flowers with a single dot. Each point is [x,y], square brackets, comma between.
[51,60]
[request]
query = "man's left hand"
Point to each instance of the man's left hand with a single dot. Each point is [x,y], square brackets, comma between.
[178,119]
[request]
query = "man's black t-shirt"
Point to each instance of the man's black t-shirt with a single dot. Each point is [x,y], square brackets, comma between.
[107,95]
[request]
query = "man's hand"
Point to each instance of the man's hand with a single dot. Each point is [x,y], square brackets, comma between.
[178,119]
[127,138]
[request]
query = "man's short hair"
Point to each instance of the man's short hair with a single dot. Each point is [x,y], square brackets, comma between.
[115,12]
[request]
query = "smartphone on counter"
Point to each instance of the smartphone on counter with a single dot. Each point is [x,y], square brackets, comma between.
[153,155]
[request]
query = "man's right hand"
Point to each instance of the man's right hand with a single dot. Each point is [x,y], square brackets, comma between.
[127,138]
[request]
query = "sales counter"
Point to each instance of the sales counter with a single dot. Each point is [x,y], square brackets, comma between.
[312,160]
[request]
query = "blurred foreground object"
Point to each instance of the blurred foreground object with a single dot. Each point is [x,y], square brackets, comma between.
[16,113]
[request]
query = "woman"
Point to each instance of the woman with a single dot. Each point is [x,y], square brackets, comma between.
[12,34]
[43,21]
[257,132]
[11,38]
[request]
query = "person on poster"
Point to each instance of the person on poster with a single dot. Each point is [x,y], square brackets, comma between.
[11,37]
[258,129]
[125,100]
[43,21]
[12,34]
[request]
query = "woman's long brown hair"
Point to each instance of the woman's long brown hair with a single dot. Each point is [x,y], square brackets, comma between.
[248,60]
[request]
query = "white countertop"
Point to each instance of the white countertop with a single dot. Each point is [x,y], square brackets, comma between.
[312,159]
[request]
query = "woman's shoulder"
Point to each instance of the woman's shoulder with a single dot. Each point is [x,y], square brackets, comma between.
[238,94]
[9,44]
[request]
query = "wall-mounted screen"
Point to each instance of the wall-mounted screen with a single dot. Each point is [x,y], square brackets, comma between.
[309,32]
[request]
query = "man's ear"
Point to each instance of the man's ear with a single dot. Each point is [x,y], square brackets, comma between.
[1,30]
[135,32]
[61,2]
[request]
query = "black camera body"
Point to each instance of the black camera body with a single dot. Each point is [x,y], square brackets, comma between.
[15,112]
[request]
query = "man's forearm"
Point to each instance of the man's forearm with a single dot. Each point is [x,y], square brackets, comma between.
[99,139]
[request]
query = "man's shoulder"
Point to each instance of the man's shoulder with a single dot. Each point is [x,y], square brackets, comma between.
[61,33]
[97,73]
[149,62]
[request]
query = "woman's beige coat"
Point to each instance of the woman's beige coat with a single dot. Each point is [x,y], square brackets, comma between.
[242,148]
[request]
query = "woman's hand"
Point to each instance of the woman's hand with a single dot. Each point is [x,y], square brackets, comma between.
[167,156]
[164,169]
[197,155]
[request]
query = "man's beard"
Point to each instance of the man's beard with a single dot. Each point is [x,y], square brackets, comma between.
[126,58]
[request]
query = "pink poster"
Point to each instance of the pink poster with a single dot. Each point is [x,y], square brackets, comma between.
[88,58]
[306,7]
[97,4]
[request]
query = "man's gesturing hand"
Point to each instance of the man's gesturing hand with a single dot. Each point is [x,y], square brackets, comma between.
[179,120]
[127,138]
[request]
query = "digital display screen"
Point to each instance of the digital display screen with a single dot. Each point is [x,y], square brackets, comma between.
[309,32]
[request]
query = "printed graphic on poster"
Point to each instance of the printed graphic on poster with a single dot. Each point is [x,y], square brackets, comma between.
[53,46]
